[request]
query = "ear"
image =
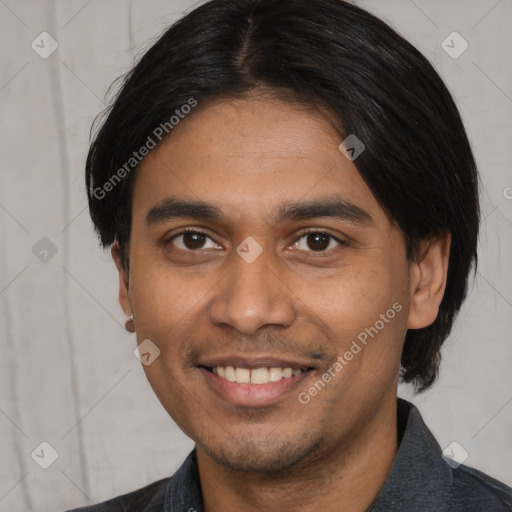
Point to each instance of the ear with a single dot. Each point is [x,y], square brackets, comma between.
[428,280]
[124,296]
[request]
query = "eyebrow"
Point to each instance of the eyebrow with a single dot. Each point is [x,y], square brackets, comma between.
[331,207]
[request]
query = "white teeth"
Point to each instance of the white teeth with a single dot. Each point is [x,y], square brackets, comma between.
[287,372]
[242,375]
[259,376]
[275,374]
[255,375]
[229,374]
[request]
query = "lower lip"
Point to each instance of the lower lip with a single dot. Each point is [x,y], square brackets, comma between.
[253,395]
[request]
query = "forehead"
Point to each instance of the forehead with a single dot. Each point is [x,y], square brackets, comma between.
[248,156]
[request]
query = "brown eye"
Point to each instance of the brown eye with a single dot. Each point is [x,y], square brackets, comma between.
[191,241]
[317,241]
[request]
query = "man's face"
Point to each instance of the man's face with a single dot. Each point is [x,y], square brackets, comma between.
[301,303]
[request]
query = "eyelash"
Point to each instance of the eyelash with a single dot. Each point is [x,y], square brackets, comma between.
[309,231]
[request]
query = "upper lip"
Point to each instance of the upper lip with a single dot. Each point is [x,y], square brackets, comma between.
[255,362]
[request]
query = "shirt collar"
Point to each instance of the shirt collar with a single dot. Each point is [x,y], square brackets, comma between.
[419,479]
[184,490]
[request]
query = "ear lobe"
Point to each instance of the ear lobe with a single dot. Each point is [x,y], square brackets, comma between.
[428,277]
[124,285]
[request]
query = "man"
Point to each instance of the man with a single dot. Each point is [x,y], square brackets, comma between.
[292,206]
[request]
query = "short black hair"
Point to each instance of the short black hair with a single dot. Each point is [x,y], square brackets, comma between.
[327,54]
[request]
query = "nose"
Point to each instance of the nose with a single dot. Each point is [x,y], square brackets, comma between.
[252,295]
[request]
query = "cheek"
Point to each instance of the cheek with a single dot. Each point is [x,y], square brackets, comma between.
[364,307]
[352,298]
[162,298]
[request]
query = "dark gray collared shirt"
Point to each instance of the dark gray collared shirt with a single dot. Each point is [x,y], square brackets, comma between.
[420,481]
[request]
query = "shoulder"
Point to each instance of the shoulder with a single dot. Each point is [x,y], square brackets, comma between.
[182,487]
[422,478]
[146,499]
[474,490]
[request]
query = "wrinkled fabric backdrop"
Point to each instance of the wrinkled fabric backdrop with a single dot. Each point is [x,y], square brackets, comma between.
[68,376]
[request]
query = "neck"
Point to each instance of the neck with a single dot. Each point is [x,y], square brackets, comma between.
[345,477]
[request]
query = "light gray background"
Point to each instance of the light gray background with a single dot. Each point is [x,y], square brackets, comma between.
[67,372]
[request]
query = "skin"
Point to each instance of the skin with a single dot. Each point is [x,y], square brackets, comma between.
[196,301]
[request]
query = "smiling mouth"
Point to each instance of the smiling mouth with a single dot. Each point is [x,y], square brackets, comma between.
[257,376]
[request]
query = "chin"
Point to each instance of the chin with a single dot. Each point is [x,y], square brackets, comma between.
[266,457]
